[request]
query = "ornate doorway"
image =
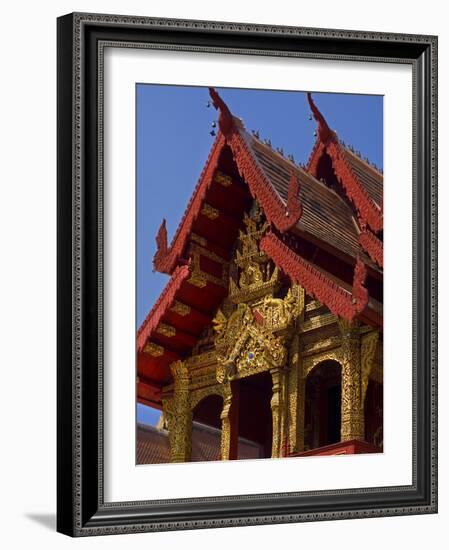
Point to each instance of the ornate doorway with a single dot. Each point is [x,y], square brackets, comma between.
[206,429]
[255,418]
[323,405]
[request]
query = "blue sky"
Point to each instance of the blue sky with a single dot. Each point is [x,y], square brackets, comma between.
[173,142]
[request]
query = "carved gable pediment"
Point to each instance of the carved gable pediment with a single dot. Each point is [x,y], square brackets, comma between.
[253,326]
[244,347]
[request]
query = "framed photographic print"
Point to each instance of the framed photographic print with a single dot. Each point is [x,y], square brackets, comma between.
[229,349]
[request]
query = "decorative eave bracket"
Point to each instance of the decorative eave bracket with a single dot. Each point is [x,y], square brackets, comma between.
[164,302]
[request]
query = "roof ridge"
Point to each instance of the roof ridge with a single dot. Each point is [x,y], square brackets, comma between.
[301,169]
[278,154]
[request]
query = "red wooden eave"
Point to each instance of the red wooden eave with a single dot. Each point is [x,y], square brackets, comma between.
[317,284]
[283,216]
[164,302]
[166,258]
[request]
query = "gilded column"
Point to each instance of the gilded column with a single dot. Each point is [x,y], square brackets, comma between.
[179,415]
[352,417]
[277,411]
[368,352]
[296,399]
[229,421]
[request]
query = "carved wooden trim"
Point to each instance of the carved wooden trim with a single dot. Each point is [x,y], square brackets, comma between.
[199,394]
[166,257]
[373,246]
[338,300]
[164,302]
[312,361]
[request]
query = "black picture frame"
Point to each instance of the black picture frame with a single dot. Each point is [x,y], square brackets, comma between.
[81,509]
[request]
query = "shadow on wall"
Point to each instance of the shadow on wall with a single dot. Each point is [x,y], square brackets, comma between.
[46,520]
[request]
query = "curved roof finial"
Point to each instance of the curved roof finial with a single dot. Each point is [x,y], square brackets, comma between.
[225,120]
[324,132]
[162,246]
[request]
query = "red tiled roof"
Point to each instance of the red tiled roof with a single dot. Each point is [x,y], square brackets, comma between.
[371,179]
[325,215]
[153,445]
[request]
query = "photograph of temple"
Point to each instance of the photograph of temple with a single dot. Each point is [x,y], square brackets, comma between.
[266,340]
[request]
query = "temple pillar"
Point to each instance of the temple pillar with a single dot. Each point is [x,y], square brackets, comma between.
[352,416]
[278,400]
[179,415]
[296,400]
[230,421]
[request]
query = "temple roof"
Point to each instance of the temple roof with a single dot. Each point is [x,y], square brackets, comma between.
[369,176]
[153,445]
[325,232]
[326,216]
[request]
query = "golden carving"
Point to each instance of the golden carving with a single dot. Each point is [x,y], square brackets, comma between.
[226,422]
[202,251]
[255,227]
[352,418]
[295,398]
[321,346]
[202,380]
[166,330]
[198,239]
[257,278]
[199,394]
[200,278]
[222,179]
[154,350]
[252,337]
[314,304]
[180,308]
[197,279]
[278,412]
[244,347]
[261,327]
[368,351]
[206,358]
[220,322]
[310,362]
[252,290]
[178,414]
[209,211]
[298,303]
[318,322]
[277,314]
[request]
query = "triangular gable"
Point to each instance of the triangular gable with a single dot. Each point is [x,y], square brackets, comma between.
[295,205]
[344,165]
[282,214]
